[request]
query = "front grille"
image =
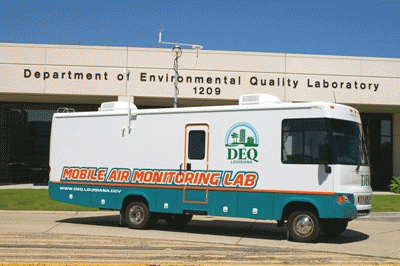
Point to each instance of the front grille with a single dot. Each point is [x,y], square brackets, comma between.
[364,200]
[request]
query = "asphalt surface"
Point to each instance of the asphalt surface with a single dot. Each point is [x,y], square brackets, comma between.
[97,237]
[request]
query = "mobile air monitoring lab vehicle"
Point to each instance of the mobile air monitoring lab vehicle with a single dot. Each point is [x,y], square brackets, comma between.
[301,164]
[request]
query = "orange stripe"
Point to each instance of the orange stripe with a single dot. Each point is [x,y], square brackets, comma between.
[302,192]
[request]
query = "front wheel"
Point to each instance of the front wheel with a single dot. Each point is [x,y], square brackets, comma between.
[137,215]
[333,228]
[303,226]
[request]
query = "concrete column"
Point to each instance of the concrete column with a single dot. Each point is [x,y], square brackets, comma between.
[396,144]
[4,143]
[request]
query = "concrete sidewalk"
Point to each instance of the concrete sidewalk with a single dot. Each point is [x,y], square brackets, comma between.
[384,193]
[23,186]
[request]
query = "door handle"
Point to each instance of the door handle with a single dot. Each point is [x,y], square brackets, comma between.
[188,166]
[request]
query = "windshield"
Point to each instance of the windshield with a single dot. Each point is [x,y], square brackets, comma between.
[303,139]
[348,142]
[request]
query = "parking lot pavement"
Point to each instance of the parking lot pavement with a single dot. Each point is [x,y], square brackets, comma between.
[77,249]
[217,240]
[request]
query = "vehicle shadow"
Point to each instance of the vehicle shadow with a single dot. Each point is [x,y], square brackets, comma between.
[214,226]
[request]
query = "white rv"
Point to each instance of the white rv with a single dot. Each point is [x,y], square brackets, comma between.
[301,164]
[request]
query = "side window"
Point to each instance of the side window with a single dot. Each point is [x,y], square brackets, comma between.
[292,148]
[301,139]
[197,145]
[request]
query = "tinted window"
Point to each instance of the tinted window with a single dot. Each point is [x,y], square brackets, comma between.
[197,145]
[302,139]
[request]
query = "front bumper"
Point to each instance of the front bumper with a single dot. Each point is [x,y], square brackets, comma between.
[363,202]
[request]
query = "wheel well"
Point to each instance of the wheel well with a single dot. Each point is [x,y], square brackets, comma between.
[298,206]
[132,198]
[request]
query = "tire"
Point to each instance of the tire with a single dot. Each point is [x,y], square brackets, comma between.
[137,215]
[333,228]
[303,226]
[178,220]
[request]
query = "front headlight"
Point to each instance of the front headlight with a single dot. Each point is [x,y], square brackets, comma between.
[343,199]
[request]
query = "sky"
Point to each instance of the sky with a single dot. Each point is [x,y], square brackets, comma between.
[351,28]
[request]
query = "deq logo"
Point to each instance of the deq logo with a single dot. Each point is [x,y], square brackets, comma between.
[242,142]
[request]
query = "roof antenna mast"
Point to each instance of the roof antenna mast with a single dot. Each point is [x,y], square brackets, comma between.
[177,51]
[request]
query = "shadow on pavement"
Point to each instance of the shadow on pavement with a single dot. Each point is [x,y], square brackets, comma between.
[256,230]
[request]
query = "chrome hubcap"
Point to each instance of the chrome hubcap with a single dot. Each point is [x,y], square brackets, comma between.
[303,225]
[136,214]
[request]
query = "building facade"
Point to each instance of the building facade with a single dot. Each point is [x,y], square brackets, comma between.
[36,80]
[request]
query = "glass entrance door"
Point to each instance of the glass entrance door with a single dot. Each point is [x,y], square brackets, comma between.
[378,133]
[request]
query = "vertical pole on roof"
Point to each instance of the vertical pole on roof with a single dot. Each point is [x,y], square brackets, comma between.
[178,52]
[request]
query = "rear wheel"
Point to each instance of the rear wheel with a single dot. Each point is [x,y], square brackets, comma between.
[333,228]
[137,215]
[303,226]
[178,220]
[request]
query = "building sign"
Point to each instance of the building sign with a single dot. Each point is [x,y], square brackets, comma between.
[200,82]
[256,81]
[70,75]
[219,75]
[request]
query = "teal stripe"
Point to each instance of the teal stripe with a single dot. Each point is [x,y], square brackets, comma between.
[257,205]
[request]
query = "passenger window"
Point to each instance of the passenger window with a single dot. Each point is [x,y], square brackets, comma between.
[301,139]
[197,145]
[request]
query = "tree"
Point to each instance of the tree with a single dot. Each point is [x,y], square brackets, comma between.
[235,136]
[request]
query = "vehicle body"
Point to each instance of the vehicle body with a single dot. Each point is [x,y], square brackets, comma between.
[300,163]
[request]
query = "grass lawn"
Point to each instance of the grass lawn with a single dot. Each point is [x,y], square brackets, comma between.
[38,199]
[386,203]
[34,199]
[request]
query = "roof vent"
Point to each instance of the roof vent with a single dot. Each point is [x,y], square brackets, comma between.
[113,106]
[258,99]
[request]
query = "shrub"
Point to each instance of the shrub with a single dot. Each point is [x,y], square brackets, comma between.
[395,186]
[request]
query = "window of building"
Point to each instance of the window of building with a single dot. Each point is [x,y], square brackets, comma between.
[25,140]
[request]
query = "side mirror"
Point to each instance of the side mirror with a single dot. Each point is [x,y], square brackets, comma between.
[325,156]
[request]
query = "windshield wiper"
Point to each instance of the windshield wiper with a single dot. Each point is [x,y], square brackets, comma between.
[358,165]
[359,158]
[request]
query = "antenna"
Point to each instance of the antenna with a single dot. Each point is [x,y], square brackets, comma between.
[194,46]
[177,51]
[159,37]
